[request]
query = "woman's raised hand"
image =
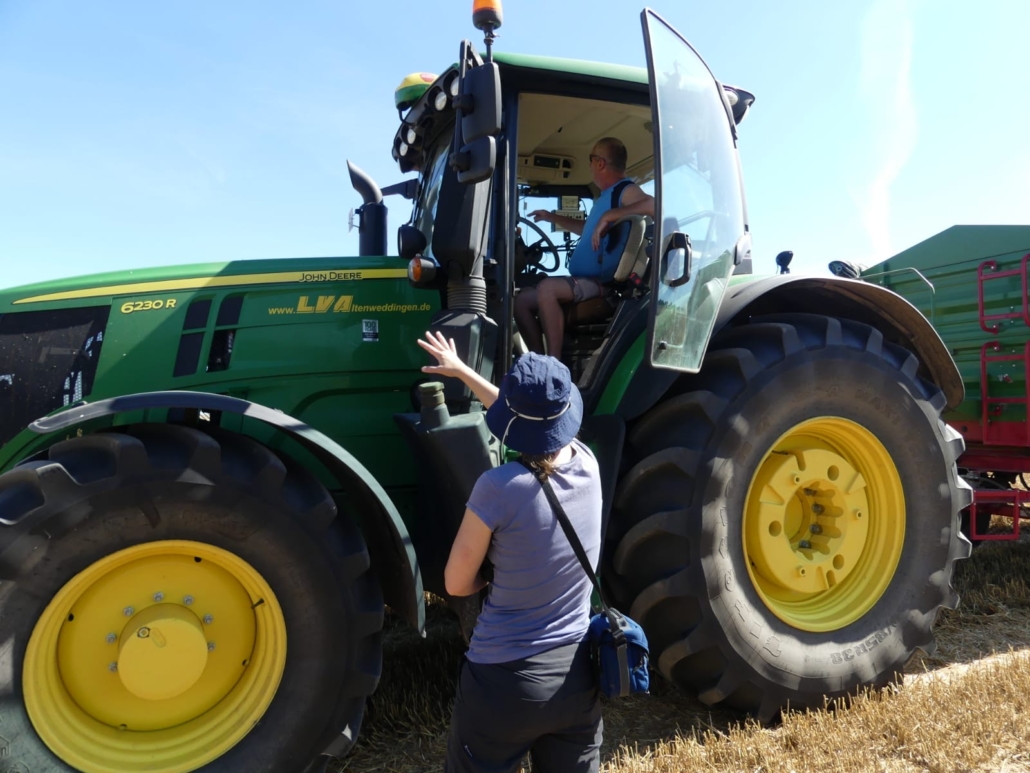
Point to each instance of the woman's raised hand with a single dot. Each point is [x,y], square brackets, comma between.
[446,353]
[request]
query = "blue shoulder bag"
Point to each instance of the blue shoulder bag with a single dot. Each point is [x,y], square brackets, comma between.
[619,645]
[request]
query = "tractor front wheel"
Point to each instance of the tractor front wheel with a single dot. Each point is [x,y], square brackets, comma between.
[184,601]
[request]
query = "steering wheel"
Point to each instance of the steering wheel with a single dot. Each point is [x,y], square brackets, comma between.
[543,244]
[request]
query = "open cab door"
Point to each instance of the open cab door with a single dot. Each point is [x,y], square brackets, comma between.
[700,232]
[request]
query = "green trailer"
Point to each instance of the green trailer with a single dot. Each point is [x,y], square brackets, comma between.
[216,479]
[971,283]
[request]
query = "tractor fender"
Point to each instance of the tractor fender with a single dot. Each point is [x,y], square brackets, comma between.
[389,544]
[898,320]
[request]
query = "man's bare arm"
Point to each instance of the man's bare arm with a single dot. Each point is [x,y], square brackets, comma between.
[568,223]
[634,202]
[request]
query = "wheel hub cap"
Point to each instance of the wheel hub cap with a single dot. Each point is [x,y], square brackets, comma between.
[163,652]
[824,524]
[810,526]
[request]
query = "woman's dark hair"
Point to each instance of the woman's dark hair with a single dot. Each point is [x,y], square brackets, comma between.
[542,463]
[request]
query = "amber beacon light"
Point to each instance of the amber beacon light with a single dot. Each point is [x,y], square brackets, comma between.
[486,15]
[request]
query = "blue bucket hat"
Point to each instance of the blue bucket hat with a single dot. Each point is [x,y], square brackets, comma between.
[538,410]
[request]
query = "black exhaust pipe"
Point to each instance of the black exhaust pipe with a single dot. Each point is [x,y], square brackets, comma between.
[371,214]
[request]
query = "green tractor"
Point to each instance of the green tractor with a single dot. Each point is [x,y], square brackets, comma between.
[214,479]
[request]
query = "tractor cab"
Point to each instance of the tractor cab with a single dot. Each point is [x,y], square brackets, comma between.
[499,136]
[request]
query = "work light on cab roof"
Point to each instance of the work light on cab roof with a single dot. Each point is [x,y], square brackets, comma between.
[450,92]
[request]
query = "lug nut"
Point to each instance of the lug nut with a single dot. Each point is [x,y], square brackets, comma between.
[810,492]
[159,596]
[112,667]
[128,611]
[817,509]
[111,638]
[208,619]
[187,600]
[210,645]
[815,528]
[805,544]
[143,632]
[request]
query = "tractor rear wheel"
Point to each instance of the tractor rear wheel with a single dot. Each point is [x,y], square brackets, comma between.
[184,601]
[790,528]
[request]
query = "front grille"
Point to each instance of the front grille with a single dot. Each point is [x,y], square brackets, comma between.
[48,359]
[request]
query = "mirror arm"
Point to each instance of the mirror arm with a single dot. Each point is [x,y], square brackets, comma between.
[408,189]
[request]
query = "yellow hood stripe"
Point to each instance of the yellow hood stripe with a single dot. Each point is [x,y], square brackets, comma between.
[175,285]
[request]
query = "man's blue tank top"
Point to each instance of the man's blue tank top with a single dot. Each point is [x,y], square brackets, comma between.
[585,260]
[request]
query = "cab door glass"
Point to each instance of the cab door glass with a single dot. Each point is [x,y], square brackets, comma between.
[698,198]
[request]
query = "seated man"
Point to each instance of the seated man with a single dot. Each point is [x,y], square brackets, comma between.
[538,312]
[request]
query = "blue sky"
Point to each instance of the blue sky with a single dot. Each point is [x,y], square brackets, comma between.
[137,134]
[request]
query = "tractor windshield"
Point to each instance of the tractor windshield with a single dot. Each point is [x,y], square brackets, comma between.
[429,190]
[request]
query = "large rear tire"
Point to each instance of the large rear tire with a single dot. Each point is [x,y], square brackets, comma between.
[790,528]
[185,601]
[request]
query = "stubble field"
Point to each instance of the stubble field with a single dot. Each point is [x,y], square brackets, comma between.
[964,708]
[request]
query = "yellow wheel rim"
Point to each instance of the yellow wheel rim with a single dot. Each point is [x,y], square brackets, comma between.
[159,658]
[824,524]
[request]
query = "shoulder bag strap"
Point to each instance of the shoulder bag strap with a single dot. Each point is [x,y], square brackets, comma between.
[577,547]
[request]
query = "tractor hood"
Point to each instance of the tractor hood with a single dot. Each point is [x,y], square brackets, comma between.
[96,289]
[209,327]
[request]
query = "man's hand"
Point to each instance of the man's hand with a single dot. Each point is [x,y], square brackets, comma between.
[634,202]
[542,214]
[604,223]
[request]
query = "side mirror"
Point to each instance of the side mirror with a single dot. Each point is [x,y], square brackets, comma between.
[476,161]
[477,119]
[410,241]
[480,102]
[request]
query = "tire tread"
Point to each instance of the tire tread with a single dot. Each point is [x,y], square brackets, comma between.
[671,442]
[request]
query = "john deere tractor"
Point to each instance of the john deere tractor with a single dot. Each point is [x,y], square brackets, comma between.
[215,478]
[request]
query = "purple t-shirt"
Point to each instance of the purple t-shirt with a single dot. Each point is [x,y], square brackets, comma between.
[540,596]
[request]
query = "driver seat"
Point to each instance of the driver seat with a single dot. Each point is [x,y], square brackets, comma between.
[633,261]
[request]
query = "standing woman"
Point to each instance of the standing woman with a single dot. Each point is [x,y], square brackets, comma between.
[527,684]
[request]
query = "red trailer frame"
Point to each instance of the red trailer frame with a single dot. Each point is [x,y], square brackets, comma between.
[992,445]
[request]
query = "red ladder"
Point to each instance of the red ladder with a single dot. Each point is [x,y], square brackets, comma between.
[992,407]
[982,278]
